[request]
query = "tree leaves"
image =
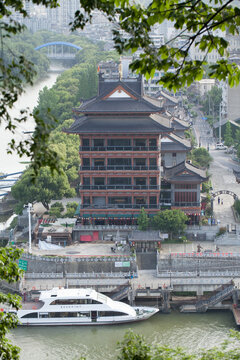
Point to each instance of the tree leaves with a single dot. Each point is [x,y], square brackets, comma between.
[9,272]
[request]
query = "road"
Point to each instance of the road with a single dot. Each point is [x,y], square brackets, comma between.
[222,177]
[221,171]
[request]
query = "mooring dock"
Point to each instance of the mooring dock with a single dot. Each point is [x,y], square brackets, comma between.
[236,314]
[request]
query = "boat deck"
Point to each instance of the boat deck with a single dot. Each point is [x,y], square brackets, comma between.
[31,305]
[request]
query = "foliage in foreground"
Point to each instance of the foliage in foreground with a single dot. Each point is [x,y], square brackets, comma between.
[135,347]
[9,272]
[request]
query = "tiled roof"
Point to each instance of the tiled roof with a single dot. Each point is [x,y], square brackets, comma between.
[161,119]
[125,105]
[179,124]
[107,85]
[177,143]
[134,103]
[184,172]
[116,124]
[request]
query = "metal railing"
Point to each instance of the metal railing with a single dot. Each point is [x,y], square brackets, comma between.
[118,187]
[119,206]
[93,275]
[119,148]
[106,227]
[213,300]
[196,203]
[118,168]
[191,274]
[43,275]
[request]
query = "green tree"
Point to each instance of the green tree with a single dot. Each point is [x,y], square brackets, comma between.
[170,221]
[135,347]
[195,22]
[143,220]
[45,188]
[9,272]
[228,139]
[211,101]
[200,157]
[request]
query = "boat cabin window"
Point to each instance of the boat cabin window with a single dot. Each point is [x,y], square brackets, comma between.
[30,315]
[111,313]
[74,302]
[67,314]
[43,315]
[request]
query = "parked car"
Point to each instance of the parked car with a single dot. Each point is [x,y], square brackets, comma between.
[220,146]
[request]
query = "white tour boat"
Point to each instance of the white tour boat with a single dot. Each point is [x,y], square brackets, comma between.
[79,307]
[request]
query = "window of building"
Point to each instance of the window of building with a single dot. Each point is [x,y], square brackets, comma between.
[86,162]
[98,142]
[140,162]
[153,200]
[140,200]
[119,181]
[140,181]
[140,142]
[98,162]
[119,142]
[86,200]
[152,161]
[85,142]
[86,181]
[119,162]
[189,196]
[99,181]
[185,186]
[119,200]
[152,142]
[174,154]
[153,181]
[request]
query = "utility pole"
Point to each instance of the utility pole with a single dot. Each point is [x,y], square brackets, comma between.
[29,228]
[220,123]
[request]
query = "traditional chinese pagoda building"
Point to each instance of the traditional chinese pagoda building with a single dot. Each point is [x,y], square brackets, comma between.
[122,134]
[181,189]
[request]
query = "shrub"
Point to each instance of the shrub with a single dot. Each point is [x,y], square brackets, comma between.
[221,231]
[58,205]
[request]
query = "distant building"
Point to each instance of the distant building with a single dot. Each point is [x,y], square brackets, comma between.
[205,85]
[124,136]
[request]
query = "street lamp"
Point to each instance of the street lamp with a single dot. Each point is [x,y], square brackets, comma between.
[29,228]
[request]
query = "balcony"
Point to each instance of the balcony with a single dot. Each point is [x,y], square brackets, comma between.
[119,168]
[119,187]
[119,148]
[186,204]
[120,206]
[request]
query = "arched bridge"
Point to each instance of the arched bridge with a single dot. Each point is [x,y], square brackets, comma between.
[227,192]
[60,50]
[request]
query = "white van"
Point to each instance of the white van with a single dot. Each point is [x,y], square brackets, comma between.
[220,146]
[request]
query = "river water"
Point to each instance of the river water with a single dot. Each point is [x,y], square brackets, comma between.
[12,163]
[191,331]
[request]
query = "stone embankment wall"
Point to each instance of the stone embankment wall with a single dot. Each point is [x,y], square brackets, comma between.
[37,264]
[194,263]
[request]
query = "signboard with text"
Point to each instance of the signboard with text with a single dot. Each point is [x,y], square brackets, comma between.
[23,264]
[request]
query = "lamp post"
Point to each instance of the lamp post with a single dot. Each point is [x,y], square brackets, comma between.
[29,228]
[220,123]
